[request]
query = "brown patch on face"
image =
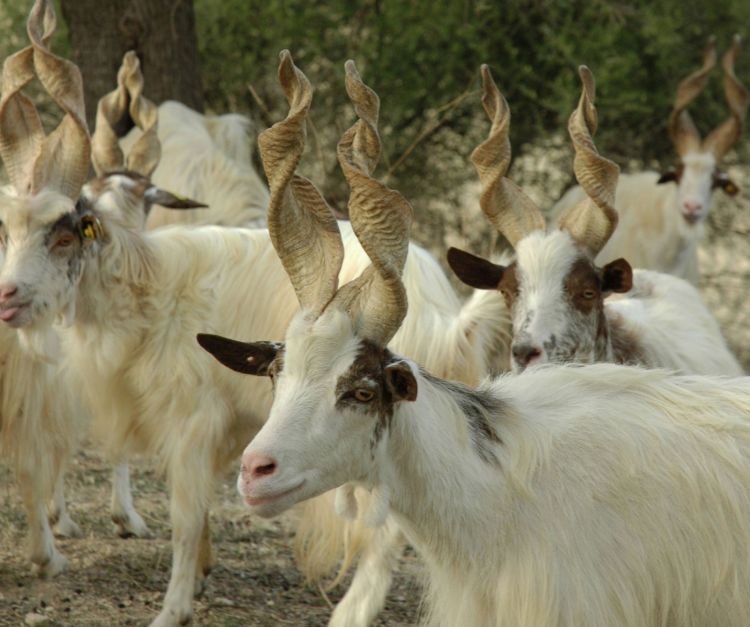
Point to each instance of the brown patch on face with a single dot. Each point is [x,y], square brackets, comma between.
[583,285]
[363,388]
[508,285]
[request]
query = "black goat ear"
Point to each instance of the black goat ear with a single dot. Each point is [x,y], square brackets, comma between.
[475,271]
[156,196]
[245,357]
[671,175]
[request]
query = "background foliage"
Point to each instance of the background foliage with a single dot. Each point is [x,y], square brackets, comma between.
[424,54]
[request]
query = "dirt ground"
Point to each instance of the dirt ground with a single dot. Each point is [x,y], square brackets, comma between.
[111,581]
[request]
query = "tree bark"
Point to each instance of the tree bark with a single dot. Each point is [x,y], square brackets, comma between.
[162,32]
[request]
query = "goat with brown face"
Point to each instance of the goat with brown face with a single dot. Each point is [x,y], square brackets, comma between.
[555,290]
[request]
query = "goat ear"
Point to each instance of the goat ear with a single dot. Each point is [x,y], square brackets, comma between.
[728,186]
[155,196]
[475,271]
[617,276]
[671,175]
[245,357]
[400,381]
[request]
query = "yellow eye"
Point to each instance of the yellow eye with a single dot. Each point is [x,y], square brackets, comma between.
[589,294]
[363,395]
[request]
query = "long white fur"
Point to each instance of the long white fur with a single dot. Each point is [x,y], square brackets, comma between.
[612,496]
[141,299]
[651,232]
[40,420]
[207,158]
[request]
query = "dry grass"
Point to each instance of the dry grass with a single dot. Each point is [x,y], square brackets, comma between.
[111,581]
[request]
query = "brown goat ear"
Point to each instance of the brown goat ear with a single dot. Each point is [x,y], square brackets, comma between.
[670,176]
[617,276]
[400,381]
[155,196]
[245,357]
[475,271]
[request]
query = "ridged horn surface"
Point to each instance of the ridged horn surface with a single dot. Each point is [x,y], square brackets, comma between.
[592,221]
[506,206]
[114,114]
[63,162]
[381,219]
[302,226]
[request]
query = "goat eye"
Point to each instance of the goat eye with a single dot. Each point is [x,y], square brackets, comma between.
[589,294]
[363,395]
[65,240]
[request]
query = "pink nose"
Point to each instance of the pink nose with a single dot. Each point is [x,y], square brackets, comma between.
[692,206]
[256,466]
[7,291]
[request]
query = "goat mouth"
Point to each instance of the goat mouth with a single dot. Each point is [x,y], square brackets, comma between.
[257,501]
[691,218]
[10,314]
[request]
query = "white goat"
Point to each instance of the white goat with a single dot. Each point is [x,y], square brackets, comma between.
[555,292]
[571,496]
[206,157]
[662,225]
[38,423]
[134,302]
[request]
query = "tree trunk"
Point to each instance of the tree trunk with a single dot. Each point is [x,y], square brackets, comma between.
[162,32]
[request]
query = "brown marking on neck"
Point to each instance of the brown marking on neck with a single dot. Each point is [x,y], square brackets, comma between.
[479,407]
[366,374]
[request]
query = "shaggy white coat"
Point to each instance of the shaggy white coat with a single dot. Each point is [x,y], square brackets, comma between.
[141,300]
[611,496]
[207,158]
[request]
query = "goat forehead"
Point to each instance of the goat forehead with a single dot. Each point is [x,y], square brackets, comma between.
[24,216]
[698,163]
[544,261]
[324,348]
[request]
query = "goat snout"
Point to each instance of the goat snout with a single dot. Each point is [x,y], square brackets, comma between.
[691,209]
[256,466]
[7,291]
[525,353]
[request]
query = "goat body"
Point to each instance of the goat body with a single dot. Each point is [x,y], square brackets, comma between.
[567,496]
[207,158]
[141,300]
[651,233]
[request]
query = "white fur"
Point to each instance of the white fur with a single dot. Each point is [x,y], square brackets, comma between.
[206,158]
[611,496]
[652,232]
[663,318]
[137,306]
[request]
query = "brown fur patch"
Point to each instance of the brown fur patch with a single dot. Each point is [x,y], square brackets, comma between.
[367,374]
[508,285]
[583,285]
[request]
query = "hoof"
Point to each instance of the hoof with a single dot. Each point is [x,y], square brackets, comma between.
[51,567]
[66,528]
[130,526]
